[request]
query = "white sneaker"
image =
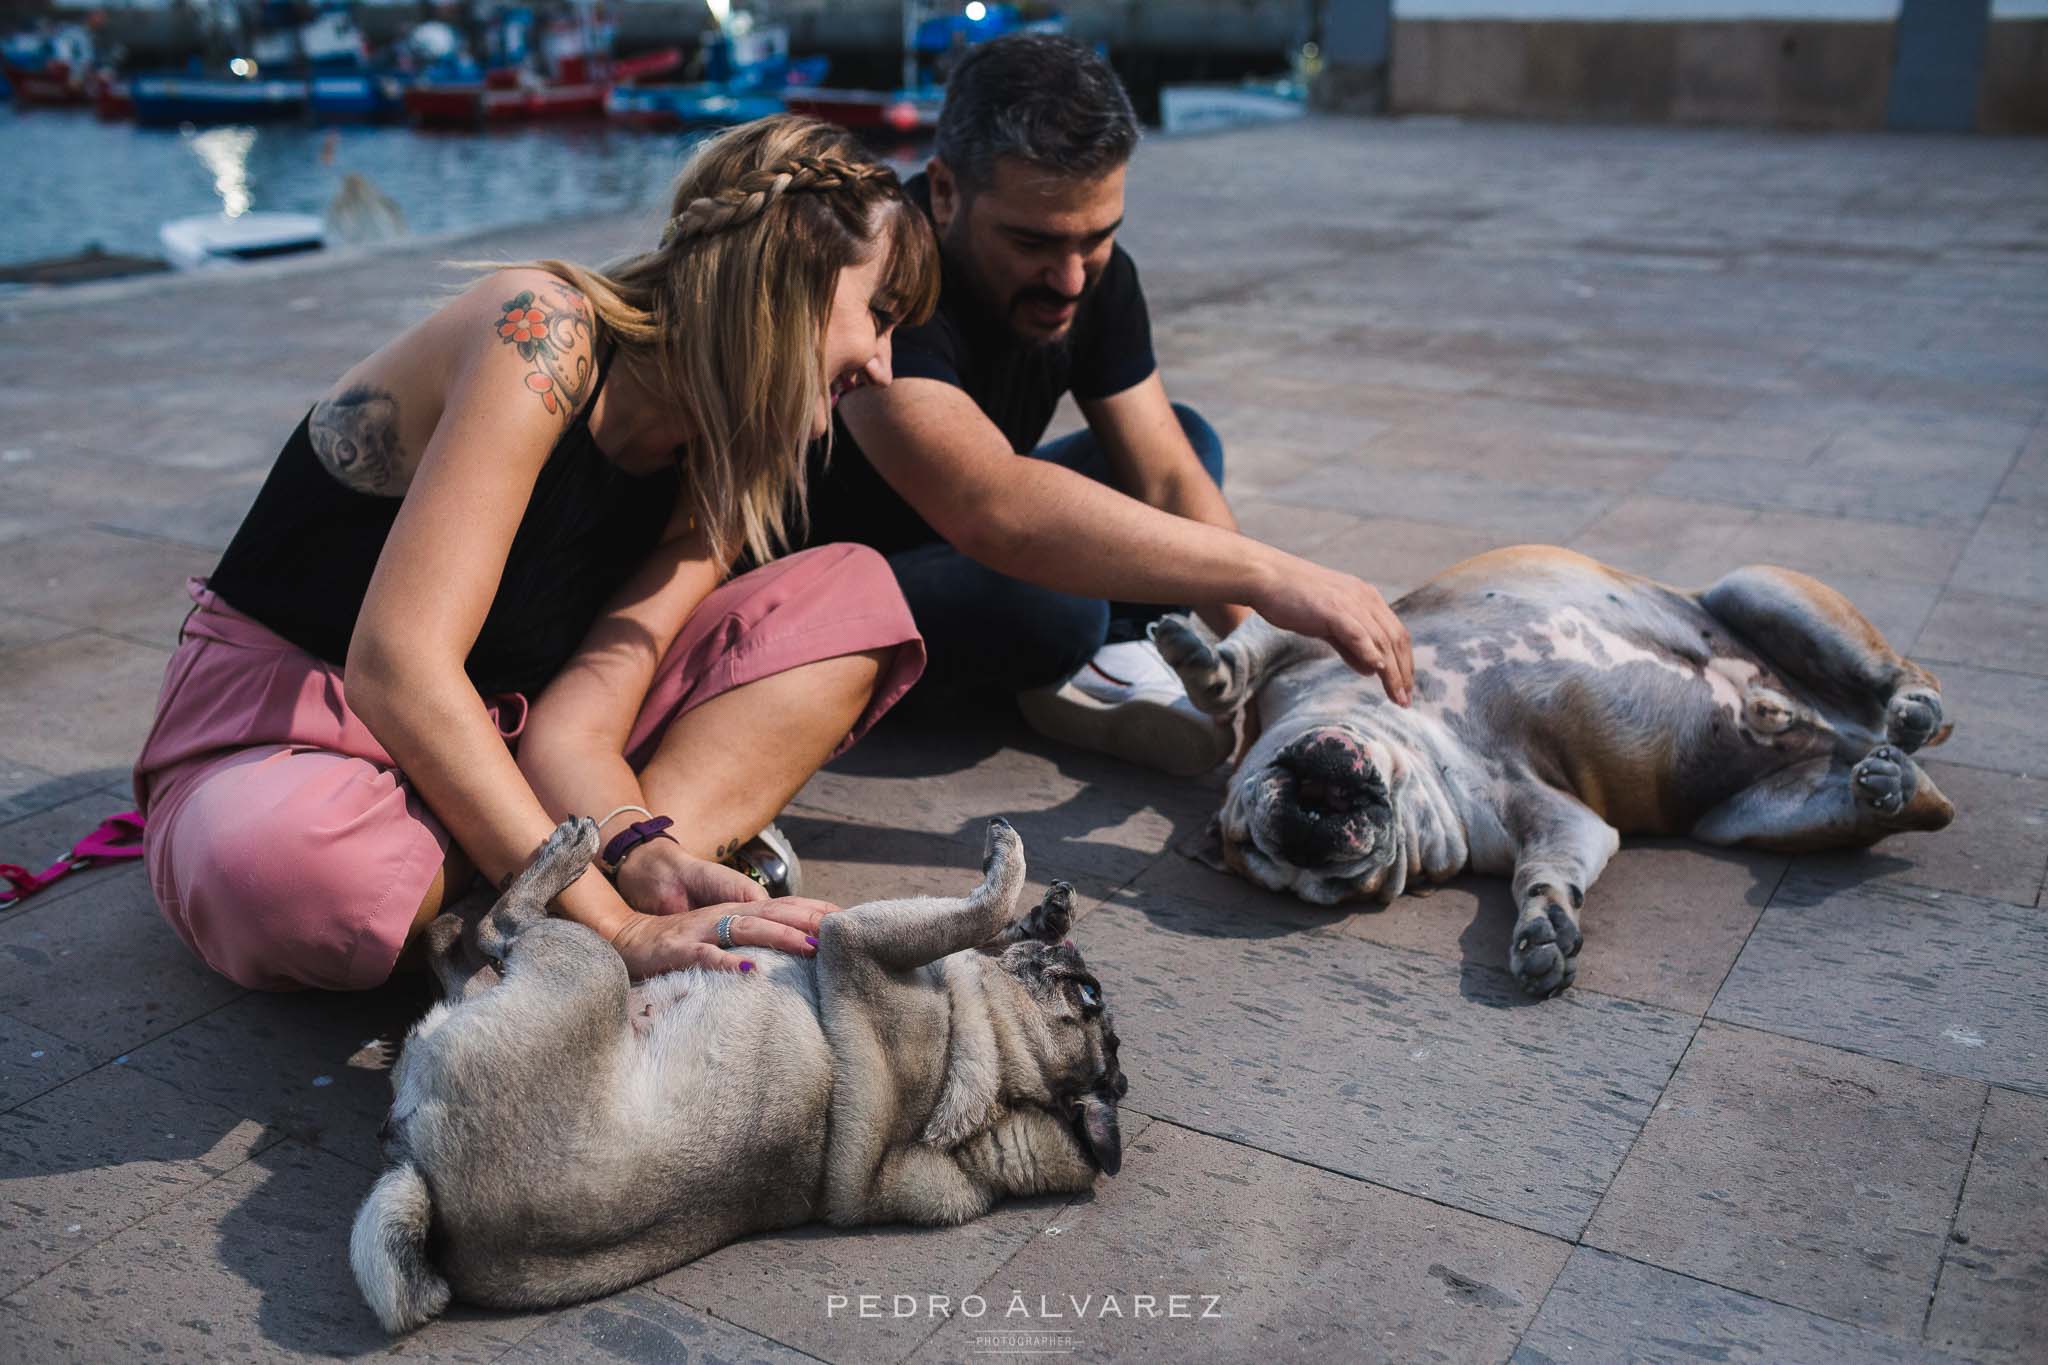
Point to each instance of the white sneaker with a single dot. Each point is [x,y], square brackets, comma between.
[770,859]
[1128,702]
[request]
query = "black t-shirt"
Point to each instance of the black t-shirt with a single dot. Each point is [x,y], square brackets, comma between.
[1017,384]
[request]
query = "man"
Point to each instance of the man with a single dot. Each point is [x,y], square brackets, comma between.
[1026,574]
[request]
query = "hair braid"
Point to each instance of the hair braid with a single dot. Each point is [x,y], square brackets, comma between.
[754,193]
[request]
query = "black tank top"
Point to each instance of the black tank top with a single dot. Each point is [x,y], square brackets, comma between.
[301,561]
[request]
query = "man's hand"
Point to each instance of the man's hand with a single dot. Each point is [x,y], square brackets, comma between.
[659,878]
[1351,615]
[653,944]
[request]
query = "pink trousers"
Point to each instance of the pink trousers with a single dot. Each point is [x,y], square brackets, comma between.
[287,849]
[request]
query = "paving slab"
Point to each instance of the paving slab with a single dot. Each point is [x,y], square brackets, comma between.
[1992,631]
[1997,717]
[1396,555]
[834,1293]
[1605,1307]
[101,968]
[1509,511]
[48,829]
[643,1326]
[1997,848]
[1936,979]
[1663,925]
[82,701]
[32,1061]
[1993,1295]
[1797,1173]
[120,584]
[940,782]
[249,1266]
[1856,476]
[20,627]
[1284,1262]
[1372,1062]
[100,1153]
[315,1064]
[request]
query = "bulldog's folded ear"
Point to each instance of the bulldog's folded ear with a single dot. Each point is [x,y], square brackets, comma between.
[1207,848]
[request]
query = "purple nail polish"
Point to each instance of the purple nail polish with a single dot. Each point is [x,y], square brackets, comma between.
[746,966]
[808,939]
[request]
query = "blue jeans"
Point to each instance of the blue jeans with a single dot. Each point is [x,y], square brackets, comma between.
[987,632]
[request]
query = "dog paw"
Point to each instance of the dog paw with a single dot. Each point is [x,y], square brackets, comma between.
[1883,781]
[1544,954]
[1913,718]
[1004,846]
[1050,919]
[1201,669]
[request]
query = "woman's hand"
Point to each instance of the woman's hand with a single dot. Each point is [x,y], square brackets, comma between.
[1351,615]
[653,944]
[659,878]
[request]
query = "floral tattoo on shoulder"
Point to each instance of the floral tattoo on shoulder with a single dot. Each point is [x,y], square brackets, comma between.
[554,337]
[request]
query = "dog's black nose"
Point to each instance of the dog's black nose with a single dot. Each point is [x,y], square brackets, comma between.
[1334,803]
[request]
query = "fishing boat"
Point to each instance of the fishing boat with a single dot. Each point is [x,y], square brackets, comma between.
[217,239]
[320,67]
[871,111]
[52,66]
[576,71]
[748,75]
[934,37]
[165,100]
[113,96]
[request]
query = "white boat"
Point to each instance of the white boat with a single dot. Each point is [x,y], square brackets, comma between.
[216,239]
[1204,108]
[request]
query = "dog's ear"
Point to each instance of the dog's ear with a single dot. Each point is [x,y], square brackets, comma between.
[1207,847]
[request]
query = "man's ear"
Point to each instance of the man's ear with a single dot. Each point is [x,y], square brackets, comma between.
[945,194]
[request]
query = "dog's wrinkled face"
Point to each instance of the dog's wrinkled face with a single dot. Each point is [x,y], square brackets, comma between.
[1316,812]
[1081,1071]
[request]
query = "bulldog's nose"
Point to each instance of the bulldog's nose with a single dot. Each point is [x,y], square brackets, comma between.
[1333,773]
[1336,802]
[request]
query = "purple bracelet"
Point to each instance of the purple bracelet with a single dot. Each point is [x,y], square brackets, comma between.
[634,835]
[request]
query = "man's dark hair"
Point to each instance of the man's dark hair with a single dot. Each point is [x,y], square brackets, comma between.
[1040,97]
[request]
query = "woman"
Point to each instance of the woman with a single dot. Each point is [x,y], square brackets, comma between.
[513,522]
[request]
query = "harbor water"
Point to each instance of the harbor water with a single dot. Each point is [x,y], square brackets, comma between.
[79,181]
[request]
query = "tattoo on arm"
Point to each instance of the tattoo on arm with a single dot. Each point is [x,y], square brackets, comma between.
[355,438]
[552,333]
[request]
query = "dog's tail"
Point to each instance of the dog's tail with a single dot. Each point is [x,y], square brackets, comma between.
[388,1251]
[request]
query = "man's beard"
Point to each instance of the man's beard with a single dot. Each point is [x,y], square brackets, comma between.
[959,262]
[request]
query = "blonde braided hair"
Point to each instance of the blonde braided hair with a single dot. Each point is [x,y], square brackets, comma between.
[756,192]
[725,320]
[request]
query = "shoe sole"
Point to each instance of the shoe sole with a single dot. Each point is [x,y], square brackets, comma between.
[1141,732]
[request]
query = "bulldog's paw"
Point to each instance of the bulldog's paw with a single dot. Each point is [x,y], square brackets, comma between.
[1914,718]
[1544,954]
[1202,670]
[1049,920]
[1883,782]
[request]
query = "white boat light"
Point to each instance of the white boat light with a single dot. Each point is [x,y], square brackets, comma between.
[976,11]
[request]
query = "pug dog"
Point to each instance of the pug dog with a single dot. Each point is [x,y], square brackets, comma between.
[558,1133]
[1558,705]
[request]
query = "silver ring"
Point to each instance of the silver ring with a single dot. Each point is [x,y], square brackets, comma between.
[725,932]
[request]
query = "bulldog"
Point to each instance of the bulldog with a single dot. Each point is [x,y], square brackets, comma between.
[1558,705]
[557,1134]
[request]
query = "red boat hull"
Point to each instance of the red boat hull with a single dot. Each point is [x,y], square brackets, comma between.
[52,84]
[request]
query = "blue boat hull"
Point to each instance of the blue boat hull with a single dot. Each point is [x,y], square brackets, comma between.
[162,101]
[689,106]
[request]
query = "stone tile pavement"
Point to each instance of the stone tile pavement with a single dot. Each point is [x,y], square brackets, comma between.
[1796,1109]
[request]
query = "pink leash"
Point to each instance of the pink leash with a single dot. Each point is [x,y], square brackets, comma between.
[117,839]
